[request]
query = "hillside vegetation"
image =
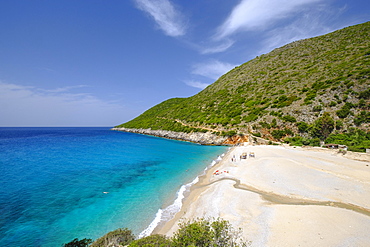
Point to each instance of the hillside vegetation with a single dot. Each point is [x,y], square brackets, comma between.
[305,92]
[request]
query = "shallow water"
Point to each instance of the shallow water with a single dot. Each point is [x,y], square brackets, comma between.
[53,181]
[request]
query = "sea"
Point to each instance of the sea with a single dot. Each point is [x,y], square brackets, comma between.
[58,184]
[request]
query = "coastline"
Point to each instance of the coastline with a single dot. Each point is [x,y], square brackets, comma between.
[164,215]
[196,137]
[323,203]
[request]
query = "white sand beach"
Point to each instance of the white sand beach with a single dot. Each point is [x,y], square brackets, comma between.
[285,196]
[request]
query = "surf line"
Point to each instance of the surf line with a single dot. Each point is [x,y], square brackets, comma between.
[286,200]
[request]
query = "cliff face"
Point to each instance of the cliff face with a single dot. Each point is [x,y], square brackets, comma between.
[196,137]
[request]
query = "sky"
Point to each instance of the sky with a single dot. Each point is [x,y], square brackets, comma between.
[104,62]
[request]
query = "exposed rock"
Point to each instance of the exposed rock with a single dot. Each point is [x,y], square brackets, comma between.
[197,137]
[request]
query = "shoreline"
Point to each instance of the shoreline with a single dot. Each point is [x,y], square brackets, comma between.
[166,214]
[270,207]
[193,193]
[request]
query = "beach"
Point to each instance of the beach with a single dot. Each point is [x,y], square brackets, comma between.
[285,196]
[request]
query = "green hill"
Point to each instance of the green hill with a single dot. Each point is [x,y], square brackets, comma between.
[305,92]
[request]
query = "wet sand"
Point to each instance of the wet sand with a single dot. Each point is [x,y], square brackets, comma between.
[285,196]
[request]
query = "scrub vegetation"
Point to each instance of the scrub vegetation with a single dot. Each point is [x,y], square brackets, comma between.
[284,95]
[200,232]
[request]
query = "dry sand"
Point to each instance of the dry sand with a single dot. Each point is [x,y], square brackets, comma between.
[285,197]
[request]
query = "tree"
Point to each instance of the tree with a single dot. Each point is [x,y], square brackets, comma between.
[302,126]
[323,126]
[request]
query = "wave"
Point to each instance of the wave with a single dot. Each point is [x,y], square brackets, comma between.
[169,212]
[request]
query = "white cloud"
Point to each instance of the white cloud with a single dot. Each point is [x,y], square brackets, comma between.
[312,23]
[257,14]
[212,69]
[31,106]
[196,84]
[164,13]
[216,48]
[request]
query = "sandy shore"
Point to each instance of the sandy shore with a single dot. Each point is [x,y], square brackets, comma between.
[285,196]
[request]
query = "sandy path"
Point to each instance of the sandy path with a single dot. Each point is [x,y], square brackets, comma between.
[285,197]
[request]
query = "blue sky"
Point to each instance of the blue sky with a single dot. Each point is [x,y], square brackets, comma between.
[104,62]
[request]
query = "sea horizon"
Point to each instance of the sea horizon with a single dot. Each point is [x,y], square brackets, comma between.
[62,183]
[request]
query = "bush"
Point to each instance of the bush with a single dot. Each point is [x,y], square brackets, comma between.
[278,134]
[317,108]
[229,133]
[302,126]
[345,110]
[323,126]
[289,118]
[273,123]
[152,240]
[207,233]
[357,140]
[78,243]
[338,125]
[363,117]
[116,237]
[364,94]
[258,134]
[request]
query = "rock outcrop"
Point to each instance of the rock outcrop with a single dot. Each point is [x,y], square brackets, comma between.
[197,137]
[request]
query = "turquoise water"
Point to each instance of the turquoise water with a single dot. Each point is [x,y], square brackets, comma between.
[58,184]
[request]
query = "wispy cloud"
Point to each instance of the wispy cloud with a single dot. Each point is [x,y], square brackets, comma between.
[168,18]
[32,106]
[196,84]
[62,89]
[216,47]
[212,69]
[257,14]
[312,23]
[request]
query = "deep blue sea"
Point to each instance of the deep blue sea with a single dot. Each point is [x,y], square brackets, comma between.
[58,184]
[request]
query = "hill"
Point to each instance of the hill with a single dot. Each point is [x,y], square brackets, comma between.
[304,93]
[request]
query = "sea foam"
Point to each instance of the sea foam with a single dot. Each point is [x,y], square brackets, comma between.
[169,212]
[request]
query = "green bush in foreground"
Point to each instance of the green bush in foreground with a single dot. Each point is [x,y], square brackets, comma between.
[200,232]
[152,240]
[117,237]
[207,233]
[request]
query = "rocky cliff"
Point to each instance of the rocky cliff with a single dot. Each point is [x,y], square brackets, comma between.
[197,137]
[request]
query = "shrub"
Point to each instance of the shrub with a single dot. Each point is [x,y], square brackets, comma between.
[258,134]
[317,108]
[364,94]
[152,240]
[345,110]
[278,134]
[338,125]
[116,237]
[323,126]
[250,118]
[265,125]
[357,140]
[229,133]
[273,123]
[302,126]
[363,117]
[78,243]
[207,233]
[289,118]
[315,142]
